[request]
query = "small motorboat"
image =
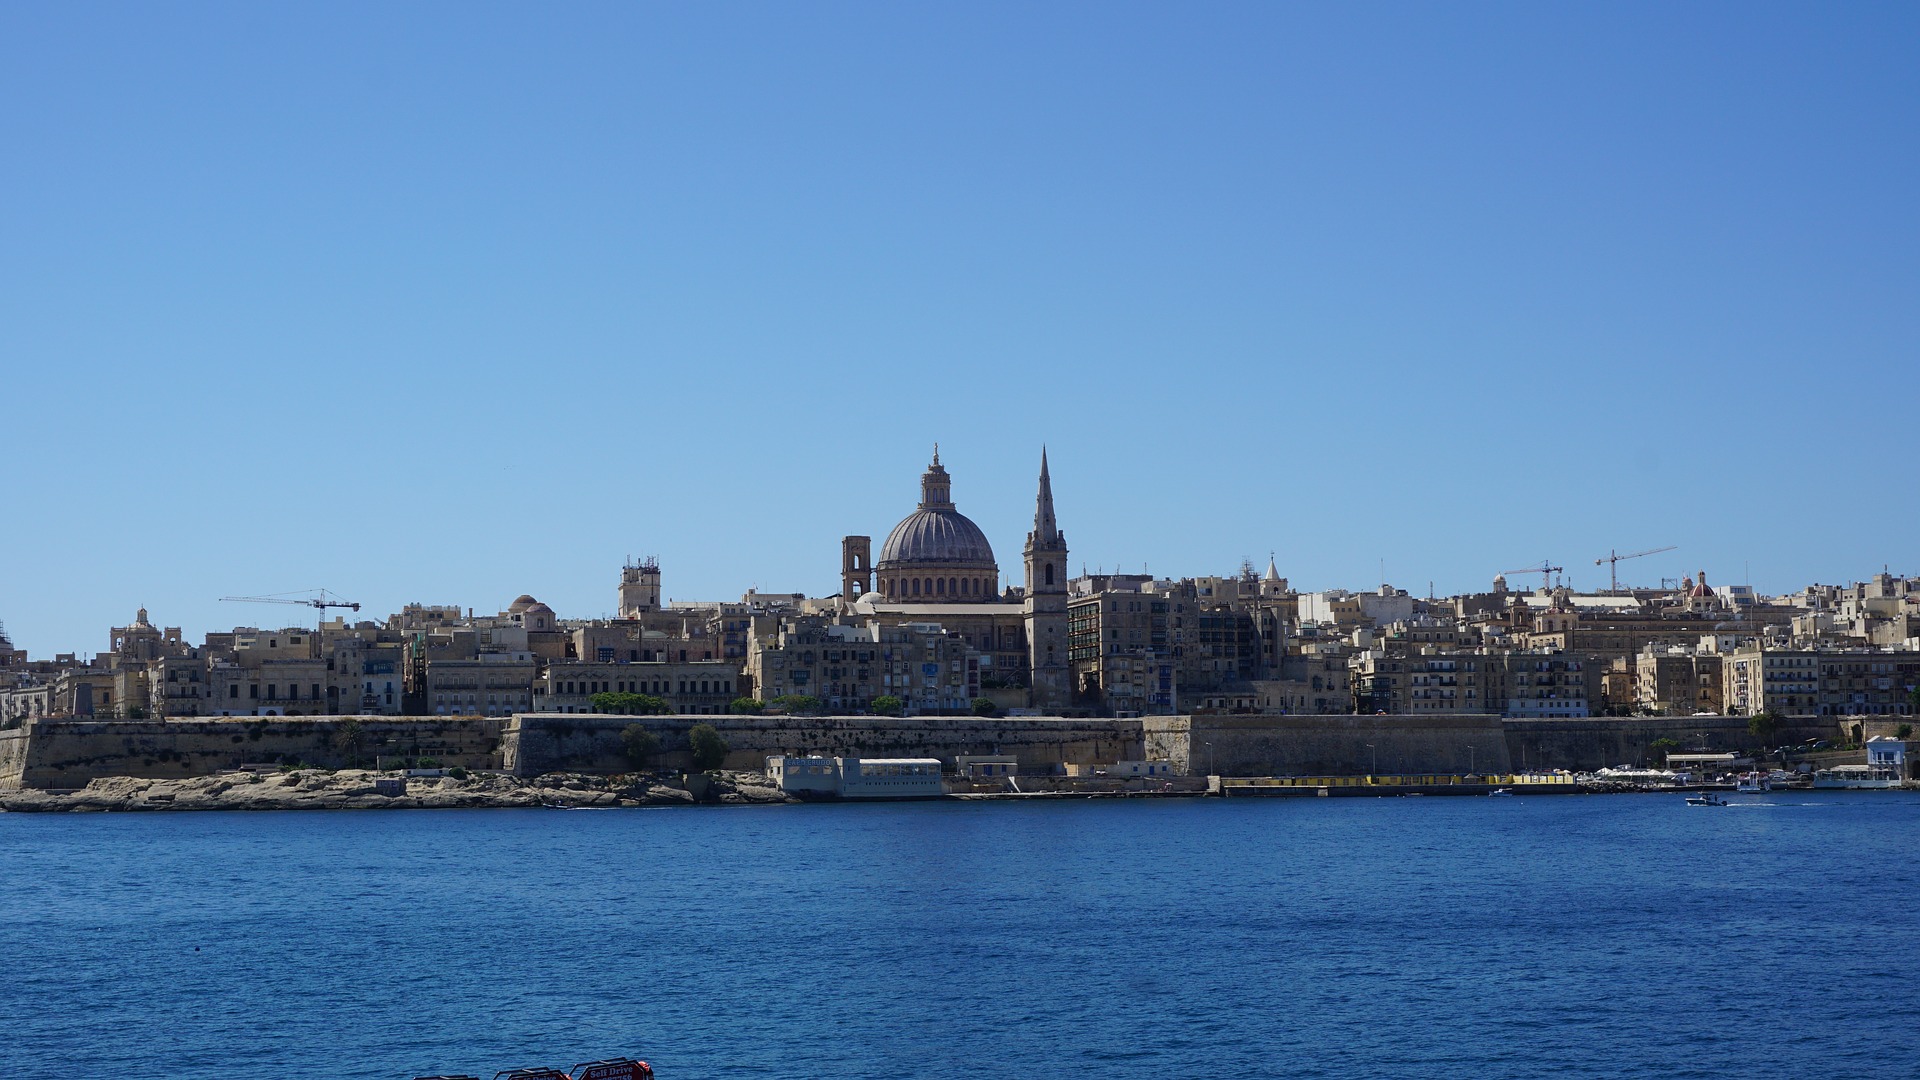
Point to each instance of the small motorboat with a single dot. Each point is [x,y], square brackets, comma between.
[1502,792]
[1706,799]
[610,1069]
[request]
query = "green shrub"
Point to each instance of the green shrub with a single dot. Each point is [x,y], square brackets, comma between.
[639,744]
[985,707]
[457,772]
[746,706]
[888,705]
[709,748]
[797,704]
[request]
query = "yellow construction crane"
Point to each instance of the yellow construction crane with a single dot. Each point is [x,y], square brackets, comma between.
[1613,559]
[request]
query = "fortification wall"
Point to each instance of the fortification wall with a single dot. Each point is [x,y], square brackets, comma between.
[69,753]
[1603,741]
[13,757]
[1327,745]
[535,744]
[1453,742]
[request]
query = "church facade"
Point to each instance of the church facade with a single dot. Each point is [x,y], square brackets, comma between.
[937,566]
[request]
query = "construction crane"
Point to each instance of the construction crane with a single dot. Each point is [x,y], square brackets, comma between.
[320,602]
[1614,559]
[1546,570]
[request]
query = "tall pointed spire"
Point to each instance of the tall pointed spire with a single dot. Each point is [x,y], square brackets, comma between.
[1050,678]
[1045,529]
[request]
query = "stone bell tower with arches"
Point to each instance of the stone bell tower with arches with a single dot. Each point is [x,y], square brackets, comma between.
[1046,602]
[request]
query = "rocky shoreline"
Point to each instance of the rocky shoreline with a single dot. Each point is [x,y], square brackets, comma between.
[355,789]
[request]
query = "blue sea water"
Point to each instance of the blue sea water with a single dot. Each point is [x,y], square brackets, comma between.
[1578,936]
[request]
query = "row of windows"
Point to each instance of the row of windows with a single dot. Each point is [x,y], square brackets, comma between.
[647,686]
[939,587]
[273,691]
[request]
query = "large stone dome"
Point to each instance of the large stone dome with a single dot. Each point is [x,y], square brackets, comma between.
[946,537]
[937,554]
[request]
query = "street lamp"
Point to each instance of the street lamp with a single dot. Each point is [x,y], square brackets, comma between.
[1376,759]
[1210,771]
[1472,769]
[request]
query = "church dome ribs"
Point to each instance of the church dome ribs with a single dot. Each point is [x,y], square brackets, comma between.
[937,554]
[947,537]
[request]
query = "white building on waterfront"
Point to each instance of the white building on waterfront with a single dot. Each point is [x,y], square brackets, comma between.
[857,778]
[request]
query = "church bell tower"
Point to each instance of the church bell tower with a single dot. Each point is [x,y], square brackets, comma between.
[1046,604]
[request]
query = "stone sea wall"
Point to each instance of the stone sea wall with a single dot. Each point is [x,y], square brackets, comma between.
[541,743]
[1601,742]
[1450,742]
[13,757]
[70,753]
[1327,745]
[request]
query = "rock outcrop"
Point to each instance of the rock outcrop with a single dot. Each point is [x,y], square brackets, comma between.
[357,789]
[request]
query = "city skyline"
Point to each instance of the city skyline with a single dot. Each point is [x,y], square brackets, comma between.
[309,299]
[1579,575]
[574,594]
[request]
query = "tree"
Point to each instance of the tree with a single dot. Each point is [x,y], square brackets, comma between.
[1764,725]
[888,705]
[709,749]
[746,706]
[1662,746]
[629,704]
[796,703]
[639,744]
[348,738]
[985,707]
[1904,731]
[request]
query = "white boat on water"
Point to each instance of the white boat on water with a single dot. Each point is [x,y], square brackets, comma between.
[1706,799]
[1855,777]
[1753,783]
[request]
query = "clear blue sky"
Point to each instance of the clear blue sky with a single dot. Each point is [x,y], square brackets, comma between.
[449,302]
